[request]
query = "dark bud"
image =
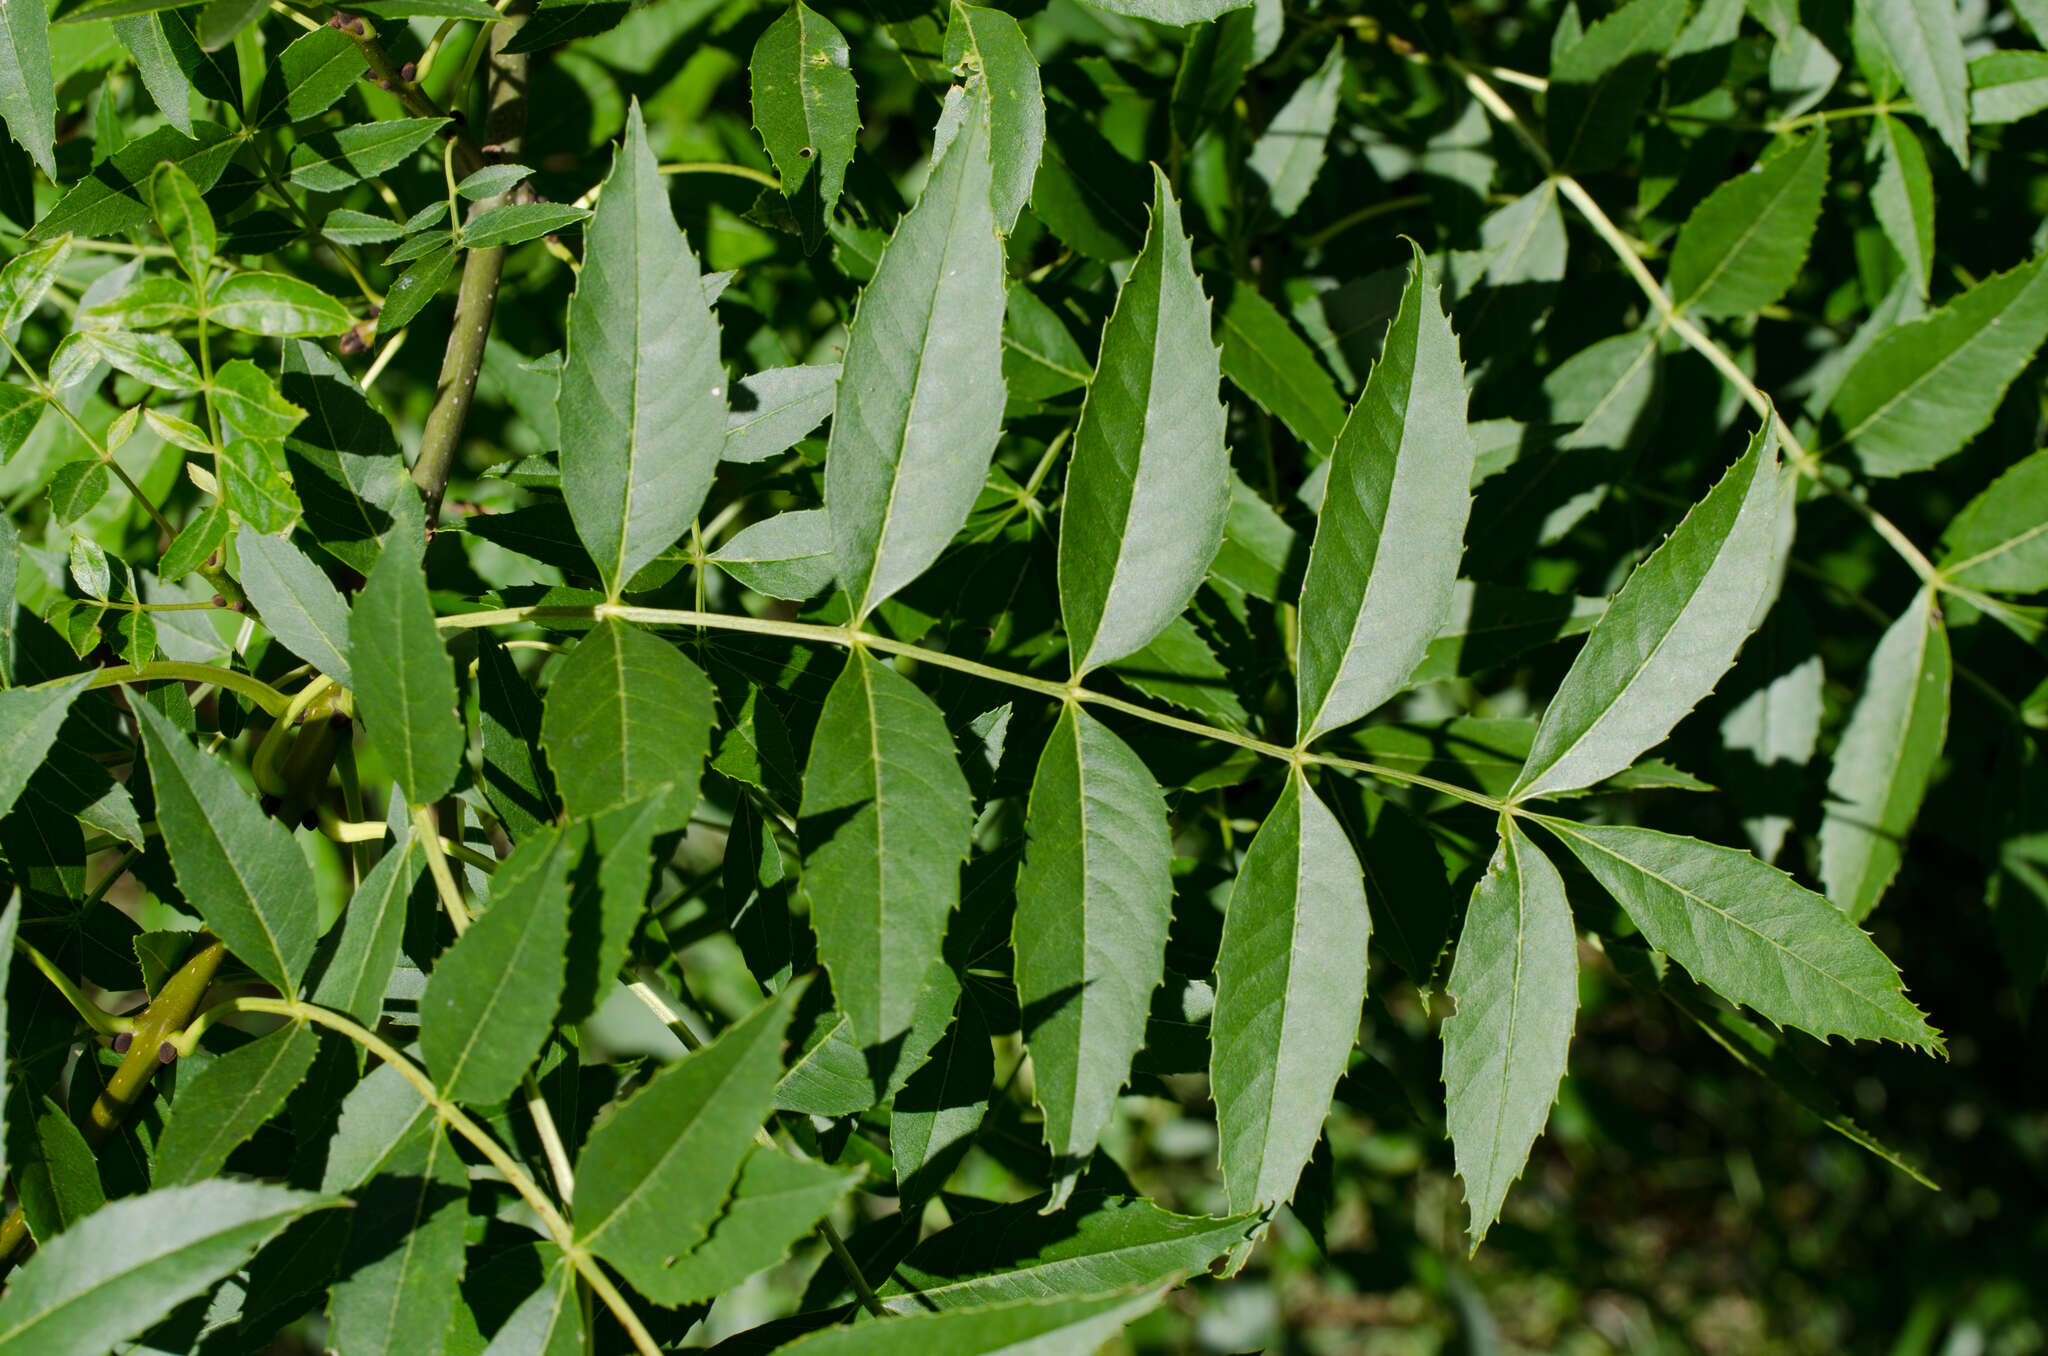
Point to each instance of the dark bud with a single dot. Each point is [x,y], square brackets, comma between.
[123,1041]
[335,20]
[353,343]
[383,84]
[359,28]
[219,601]
[409,72]
[166,1052]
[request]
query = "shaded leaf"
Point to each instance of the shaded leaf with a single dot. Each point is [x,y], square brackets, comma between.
[237,866]
[490,1002]
[1886,759]
[657,1169]
[229,1101]
[404,682]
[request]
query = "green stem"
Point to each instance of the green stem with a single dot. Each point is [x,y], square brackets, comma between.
[1805,462]
[429,833]
[102,1022]
[255,689]
[459,1122]
[1044,687]
[168,1013]
[720,167]
[477,299]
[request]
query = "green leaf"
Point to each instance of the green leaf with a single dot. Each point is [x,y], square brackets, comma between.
[327,162]
[404,683]
[1743,247]
[1290,978]
[1289,154]
[1392,527]
[1094,899]
[771,410]
[254,485]
[28,91]
[1149,484]
[509,719]
[1018,1252]
[250,404]
[1597,85]
[238,867]
[548,1322]
[1178,667]
[786,556]
[804,104]
[364,952]
[775,1205]
[1926,48]
[1903,198]
[1999,542]
[492,181]
[221,20]
[275,305]
[396,1290]
[297,601]
[1926,388]
[1172,13]
[657,1169]
[2008,86]
[628,717]
[26,280]
[1268,361]
[155,359]
[419,284]
[1027,1327]
[1667,637]
[113,197]
[134,1260]
[933,1121]
[1404,877]
[228,1102]
[920,401]
[29,719]
[514,223]
[1886,759]
[642,398]
[57,1178]
[20,411]
[184,219]
[10,919]
[1515,983]
[1751,933]
[886,820]
[490,1002]
[992,44]
[307,76]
